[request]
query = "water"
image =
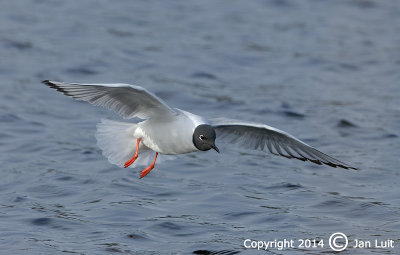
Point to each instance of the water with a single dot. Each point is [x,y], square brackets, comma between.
[325,71]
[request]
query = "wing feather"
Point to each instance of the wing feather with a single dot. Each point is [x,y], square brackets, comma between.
[259,136]
[127,100]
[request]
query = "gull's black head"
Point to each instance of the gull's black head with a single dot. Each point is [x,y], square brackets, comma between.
[204,138]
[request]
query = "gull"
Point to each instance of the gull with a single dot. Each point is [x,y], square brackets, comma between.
[172,131]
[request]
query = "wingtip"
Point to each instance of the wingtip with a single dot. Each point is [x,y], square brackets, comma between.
[55,86]
[48,83]
[51,84]
[347,167]
[318,162]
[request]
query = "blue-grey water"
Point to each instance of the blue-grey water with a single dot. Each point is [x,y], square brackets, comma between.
[327,72]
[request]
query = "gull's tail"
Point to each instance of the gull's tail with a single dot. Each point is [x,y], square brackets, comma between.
[117,141]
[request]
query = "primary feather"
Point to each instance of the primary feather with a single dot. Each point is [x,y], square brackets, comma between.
[127,100]
[263,137]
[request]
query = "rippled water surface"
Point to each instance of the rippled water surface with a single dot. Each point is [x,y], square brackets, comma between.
[324,71]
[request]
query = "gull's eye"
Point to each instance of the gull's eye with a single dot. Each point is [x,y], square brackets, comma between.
[202,137]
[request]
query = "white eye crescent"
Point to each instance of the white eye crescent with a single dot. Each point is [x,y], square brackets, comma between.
[201,137]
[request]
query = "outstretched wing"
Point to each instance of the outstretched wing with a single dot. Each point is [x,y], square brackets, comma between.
[127,100]
[262,137]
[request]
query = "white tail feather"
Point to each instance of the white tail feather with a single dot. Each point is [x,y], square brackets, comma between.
[117,141]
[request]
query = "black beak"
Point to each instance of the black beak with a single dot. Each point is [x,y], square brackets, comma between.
[215,148]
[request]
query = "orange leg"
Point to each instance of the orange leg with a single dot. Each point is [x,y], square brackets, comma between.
[149,168]
[129,162]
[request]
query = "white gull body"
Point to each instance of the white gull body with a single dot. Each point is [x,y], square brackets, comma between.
[174,136]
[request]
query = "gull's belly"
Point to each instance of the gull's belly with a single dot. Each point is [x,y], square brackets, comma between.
[172,137]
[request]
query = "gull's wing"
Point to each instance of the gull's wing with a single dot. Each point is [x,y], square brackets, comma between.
[262,137]
[127,100]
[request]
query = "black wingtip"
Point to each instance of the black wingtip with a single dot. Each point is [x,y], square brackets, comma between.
[56,87]
[318,162]
[48,83]
[347,167]
[51,85]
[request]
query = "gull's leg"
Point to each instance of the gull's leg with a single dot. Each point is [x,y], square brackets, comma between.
[148,169]
[134,157]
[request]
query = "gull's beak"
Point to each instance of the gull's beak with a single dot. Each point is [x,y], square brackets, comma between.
[215,148]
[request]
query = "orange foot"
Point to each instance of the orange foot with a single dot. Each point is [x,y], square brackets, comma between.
[149,168]
[134,157]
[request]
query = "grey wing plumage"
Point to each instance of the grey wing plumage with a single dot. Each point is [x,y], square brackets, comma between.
[127,100]
[259,136]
